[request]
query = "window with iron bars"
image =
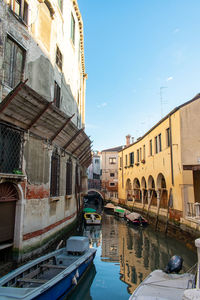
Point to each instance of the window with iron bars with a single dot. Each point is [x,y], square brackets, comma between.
[11,149]
[55,174]
[69,177]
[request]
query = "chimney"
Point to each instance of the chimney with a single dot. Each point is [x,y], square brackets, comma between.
[128,140]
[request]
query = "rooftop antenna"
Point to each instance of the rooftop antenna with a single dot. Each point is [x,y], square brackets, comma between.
[161,99]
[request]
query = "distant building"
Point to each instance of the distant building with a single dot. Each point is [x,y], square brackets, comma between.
[44,151]
[162,168]
[109,177]
[94,171]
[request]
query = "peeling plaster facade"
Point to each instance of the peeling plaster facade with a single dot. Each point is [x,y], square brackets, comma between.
[38,216]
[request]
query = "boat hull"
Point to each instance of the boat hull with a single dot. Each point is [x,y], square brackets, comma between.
[70,269]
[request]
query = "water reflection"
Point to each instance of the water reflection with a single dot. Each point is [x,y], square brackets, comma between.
[94,235]
[126,255]
[83,289]
[139,250]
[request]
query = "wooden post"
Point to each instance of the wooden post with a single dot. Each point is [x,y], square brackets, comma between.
[145,197]
[150,203]
[170,194]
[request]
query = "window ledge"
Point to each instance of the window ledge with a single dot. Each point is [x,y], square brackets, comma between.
[54,199]
[12,176]
[68,197]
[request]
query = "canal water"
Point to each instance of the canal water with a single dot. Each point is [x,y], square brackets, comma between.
[125,256]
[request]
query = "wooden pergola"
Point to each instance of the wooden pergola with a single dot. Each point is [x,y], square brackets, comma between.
[26,109]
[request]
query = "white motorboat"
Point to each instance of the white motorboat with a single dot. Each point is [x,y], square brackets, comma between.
[163,285]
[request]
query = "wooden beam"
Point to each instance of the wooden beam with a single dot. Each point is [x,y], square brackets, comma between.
[85,153]
[74,151]
[73,138]
[39,115]
[7,100]
[85,149]
[85,161]
[62,127]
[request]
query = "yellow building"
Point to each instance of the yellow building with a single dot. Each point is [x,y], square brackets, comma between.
[162,168]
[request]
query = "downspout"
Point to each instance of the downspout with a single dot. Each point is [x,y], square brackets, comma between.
[122,170]
[171,150]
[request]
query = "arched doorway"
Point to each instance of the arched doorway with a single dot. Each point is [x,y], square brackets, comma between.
[161,186]
[129,190]
[136,188]
[8,198]
[144,188]
[151,188]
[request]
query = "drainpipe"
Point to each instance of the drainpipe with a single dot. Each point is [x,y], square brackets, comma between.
[122,170]
[171,150]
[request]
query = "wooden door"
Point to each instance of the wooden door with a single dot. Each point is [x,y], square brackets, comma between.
[8,198]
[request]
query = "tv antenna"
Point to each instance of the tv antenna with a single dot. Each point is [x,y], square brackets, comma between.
[161,99]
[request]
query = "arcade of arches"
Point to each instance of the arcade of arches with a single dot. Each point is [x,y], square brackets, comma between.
[148,191]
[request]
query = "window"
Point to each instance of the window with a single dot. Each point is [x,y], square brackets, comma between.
[156,144]
[131,158]
[120,162]
[69,177]
[60,4]
[112,160]
[20,8]
[11,149]
[112,174]
[144,152]
[13,63]
[112,184]
[150,148]
[56,95]
[126,160]
[168,137]
[55,174]
[58,58]
[73,29]
[138,155]
[159,143]
[96,161]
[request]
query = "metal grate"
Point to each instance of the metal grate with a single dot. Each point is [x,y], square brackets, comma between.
[11,150]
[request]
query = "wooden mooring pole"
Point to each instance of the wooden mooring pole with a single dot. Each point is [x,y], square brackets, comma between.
[169,200]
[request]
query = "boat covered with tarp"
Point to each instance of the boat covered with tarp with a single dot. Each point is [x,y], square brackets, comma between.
[136,219]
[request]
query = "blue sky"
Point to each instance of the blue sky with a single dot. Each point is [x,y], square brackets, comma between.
[132,49]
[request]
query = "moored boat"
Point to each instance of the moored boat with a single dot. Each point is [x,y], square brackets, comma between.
[51,276]
[120,211]
[92,218]
[163,285]
[109,208]
[136,219]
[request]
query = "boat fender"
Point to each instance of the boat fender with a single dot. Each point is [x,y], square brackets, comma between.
[74,280]
[77,274]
